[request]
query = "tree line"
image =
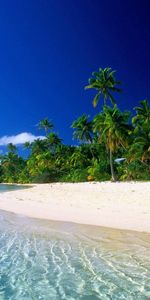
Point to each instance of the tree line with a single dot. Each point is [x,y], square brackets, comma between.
[113,145]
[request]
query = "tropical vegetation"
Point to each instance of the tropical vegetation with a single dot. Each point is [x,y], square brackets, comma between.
[114,145]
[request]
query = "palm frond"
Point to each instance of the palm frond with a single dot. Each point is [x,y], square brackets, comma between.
[96,98]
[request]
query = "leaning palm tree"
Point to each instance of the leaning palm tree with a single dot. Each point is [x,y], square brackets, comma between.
[113,128]
[83,129]
[105,83]
[46,125]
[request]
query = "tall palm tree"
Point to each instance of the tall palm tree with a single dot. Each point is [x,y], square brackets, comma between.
[105,83]
[46,125]
[83,129]
[113,128]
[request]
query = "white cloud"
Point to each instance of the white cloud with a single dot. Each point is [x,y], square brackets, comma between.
[19,139]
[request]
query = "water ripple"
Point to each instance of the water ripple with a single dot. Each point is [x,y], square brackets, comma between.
[50,260]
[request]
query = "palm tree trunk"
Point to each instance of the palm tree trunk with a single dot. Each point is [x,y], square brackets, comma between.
[46,131]
[113,176]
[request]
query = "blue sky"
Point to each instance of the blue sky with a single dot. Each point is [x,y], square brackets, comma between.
[49,49]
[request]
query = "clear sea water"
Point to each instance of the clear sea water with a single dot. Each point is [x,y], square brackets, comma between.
[11,187]
[56,260]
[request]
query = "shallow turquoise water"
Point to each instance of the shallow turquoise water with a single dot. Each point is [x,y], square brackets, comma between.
[11,187]
[57,260]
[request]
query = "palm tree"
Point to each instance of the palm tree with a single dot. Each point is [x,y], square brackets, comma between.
[78,158]
[46,125]
[38,146]
[140,148]
[27,145]
[113,128]
[83,129]
[105,83]
[142,114]
[12,165]
[53,141]
[12,148]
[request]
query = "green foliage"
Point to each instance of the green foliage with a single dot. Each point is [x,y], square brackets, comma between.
[50,175]
[11,167]
[99,171]
[46,125]
[113,129]
[83,129]
[77,175]
[140,148]
[108,136]
[142,114]
[134,170]
[105,84]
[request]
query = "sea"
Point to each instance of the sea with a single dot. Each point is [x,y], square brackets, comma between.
[49,260]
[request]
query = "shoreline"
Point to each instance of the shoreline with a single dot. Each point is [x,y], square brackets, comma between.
[120,205]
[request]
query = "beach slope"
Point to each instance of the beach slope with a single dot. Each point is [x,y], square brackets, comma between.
[118,205]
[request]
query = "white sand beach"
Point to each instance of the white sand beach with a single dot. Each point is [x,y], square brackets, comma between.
[124,205]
